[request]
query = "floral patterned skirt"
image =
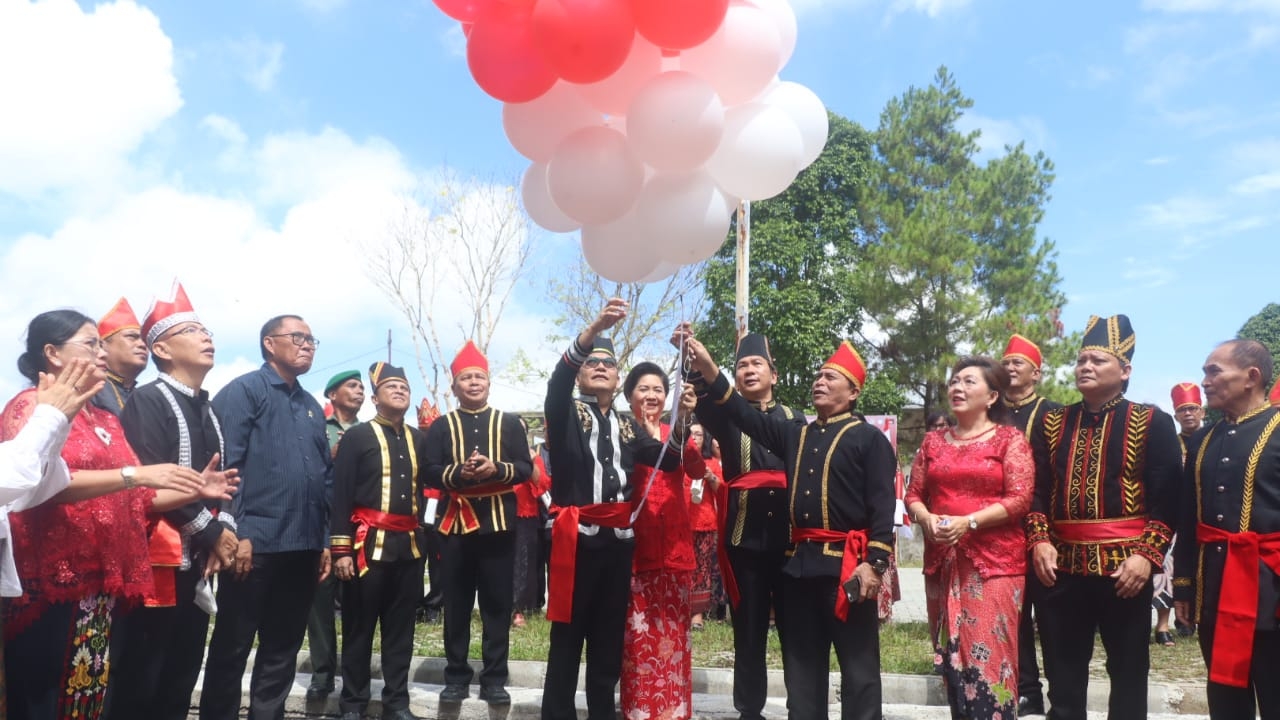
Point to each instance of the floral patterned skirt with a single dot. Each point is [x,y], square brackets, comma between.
[65,661]
[974,625]
[657,670]
[708,592]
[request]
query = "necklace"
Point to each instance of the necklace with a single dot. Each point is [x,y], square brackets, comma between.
[974,436]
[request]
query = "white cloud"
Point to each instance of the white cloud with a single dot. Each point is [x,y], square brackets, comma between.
[1258,184]
[292,167]
[260,61]
[454,41]
[1208,6]
[1159,160]
[235,140]
[996,133]
[1142,273]
[1182,212]
[322,7]
[932,8]
[93,85]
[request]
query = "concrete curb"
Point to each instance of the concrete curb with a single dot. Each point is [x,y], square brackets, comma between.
[713,691]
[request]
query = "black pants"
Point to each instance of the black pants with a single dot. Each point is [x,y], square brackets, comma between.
[759,578]
[530,579]
[1263,693]
[811,628]
[322,637]
[1028,667]
[387,594]
[1071,612]
[162,650]
[272,604]
[601,592]
[478,565]
[433,601]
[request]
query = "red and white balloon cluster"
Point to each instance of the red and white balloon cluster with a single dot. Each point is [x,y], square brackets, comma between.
[645,121]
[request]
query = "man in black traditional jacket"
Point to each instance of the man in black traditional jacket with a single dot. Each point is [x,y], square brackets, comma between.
[378,546]
[841,480]
[170,420]
[593,450]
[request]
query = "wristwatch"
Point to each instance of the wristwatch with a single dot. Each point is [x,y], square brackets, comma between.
[973,522]
[128,473]
[880,567]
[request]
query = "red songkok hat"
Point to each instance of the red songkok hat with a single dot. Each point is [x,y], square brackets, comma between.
[469,358]
[848,363]
[1185,394]
[1021,347]
[1275,394]
[165,314]
[119,317]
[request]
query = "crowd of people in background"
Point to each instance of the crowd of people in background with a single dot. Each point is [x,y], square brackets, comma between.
[134,514]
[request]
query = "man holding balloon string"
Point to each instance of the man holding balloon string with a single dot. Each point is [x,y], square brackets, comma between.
[593,452]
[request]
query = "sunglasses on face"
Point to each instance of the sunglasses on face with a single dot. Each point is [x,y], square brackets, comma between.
[606,362]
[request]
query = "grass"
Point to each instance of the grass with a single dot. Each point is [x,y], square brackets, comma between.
[904,649]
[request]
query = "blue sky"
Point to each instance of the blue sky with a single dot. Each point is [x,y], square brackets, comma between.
[252,149]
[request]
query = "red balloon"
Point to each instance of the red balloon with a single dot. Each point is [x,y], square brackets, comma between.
[678,24]
[466,11]
[584,41]
[504,61]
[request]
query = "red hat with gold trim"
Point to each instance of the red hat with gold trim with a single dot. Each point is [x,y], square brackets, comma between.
[1275,394]
[165,314]
[1021,347]
[846,361]
[469,358]
[1186,394]
[119,317]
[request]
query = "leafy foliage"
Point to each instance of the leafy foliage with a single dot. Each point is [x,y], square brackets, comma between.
[1265,328]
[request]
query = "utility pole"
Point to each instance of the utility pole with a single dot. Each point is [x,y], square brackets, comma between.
[743,276]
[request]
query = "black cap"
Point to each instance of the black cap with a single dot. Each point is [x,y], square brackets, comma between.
[1113,335]
[381,372]
[753,345]
[602,345]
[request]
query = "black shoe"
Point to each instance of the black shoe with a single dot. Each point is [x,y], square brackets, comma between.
[454,693]
[352,715]
[399,714]
[317,693]
[495,695]
[1027,706]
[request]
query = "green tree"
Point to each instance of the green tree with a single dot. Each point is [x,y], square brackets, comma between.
[951,262]
[881,396]
[1265,328]
[802,254]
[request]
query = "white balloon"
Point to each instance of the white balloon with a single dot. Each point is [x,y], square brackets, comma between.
[760,154]
[662,272]
[806,110]
[594,177]
[784,21]
[617,251]
[675,122]
[538,204]
[536,127]
[741,58]
[613,95]
[685,216]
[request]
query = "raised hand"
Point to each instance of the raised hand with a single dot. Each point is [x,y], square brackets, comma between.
[614,312]
[218,484]
[168,476]
[69,390]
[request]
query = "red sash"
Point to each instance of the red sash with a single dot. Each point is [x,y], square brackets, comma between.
[365,518]
[855,549]
[564,550]
[753,480]
[1100,531]
[1238,609]
[460,509]
[165,546]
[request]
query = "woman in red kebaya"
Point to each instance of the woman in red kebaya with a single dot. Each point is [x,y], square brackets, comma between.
[657,671]
[703,491]
[970,487]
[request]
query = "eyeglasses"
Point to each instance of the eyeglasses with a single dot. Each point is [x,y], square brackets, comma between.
[94,344]
[192,330]
[594,361]
[298,338]
[940,426]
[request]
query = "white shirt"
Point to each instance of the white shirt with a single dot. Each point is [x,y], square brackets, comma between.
[31,471]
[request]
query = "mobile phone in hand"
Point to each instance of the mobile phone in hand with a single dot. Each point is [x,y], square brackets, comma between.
[853,590]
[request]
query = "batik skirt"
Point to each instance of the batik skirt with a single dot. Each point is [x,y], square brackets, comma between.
[58,666]
[974,626]
[657,670]
[707,593]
